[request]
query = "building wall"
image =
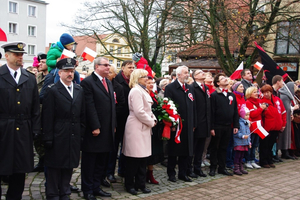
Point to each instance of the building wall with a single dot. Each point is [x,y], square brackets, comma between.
[23,20]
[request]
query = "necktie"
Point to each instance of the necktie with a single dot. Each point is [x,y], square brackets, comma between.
[15,74]
[203,88]
[224,90]
[183,86]
[69,87]
[104,84]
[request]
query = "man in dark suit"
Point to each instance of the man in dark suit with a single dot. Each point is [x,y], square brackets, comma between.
[122,78]
[19,119]
[120,103]
[224,115]
[246,79]
[100,127]
[183,95]
[63,120]
[202,115]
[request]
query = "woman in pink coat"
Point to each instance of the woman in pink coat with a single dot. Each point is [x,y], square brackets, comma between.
[137,136]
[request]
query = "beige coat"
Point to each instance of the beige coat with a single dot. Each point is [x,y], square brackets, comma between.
[137,136]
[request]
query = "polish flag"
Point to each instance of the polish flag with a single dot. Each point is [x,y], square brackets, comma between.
[258,65]
[67,54]
[237,73]
[88,54]
[257,128]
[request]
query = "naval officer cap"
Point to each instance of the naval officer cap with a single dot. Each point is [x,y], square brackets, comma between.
[66,63]
[15,47]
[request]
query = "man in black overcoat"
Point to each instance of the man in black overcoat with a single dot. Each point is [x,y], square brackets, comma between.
[19,119]
[224,117]
[202,113]
[183,95]
[100,128]
[123,78]
[63,114]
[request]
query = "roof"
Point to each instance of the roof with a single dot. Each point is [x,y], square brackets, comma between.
[38,1]
[204,63]
[86,41]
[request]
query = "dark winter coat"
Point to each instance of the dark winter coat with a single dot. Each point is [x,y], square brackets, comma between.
[186,109]
[100,113]
[19,121]
[202,109]
[63,125]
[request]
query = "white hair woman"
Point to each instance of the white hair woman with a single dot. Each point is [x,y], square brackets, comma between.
[137,135]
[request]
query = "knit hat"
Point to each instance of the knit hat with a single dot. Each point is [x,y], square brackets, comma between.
[236,85]
[35,62]
[243,111]
[136,57]
[66,39]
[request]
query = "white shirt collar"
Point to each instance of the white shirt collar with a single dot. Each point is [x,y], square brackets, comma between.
[12,73]
[66,86]
[180,83]
[100,77]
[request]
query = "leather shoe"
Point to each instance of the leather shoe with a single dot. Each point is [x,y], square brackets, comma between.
[200,173]
[105,183]
[272,165]
[102,193]
[89,197]
[185,178]
[144,190]
[74,188]
[132,191]
[225,172]
[193,175]
[288,157]
[265,166]
[111,178]
[212,172]
[172,179]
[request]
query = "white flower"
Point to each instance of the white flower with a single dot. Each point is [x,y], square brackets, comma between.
[175,112]
[165,99]
[172,119]
[171,102]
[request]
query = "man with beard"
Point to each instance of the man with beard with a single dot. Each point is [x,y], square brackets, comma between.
[224,115]
[19,119]
[183,95]
[123,78]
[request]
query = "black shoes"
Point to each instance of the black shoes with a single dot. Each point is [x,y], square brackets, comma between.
[172,179]
[185,178]
[200,173]
[225,172]
[74,188]
[193,175]
[105,183]
[38,168]
[111,178]
[132,191]
[101,193]
[89,197]
[144,190]
[212,172]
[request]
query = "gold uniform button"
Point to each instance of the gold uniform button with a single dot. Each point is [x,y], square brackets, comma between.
[18,90]
[17,129]
[19,102]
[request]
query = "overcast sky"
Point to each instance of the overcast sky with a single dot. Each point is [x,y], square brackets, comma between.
[59,11]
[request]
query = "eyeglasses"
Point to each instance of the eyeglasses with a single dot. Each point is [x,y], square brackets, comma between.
[106,65]
[144,77]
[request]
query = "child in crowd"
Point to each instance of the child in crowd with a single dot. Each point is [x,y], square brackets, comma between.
[241,141]
[66,41]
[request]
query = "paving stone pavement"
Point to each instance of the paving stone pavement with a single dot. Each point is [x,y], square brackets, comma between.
[279,183]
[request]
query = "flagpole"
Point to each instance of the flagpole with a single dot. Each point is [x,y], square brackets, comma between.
[290,93]
[258,72]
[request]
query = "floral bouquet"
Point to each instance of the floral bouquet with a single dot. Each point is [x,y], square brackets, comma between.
[169,116]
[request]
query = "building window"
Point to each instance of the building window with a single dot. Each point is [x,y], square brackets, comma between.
[118,64]
[287,38]
[119,50]
[111,49]
[13,7]
[110,62]
[31,49]
[116,40]
[31,31]
[12,28]
[32,11]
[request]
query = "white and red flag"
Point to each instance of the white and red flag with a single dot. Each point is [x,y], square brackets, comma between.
[88,54]
[67,54]
[237,73]
[257,128]
[258,65]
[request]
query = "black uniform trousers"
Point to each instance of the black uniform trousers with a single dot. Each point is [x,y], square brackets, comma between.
[16,185]
[113,157]
[182,165]
[199,144]
[135,173]
[265,148]
[93,169]
[219,144]
[58,183]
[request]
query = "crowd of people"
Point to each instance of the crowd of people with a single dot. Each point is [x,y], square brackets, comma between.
[113,115]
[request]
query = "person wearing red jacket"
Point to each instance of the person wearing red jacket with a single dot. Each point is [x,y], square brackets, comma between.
[256,109]
[142,63]
[274,121]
